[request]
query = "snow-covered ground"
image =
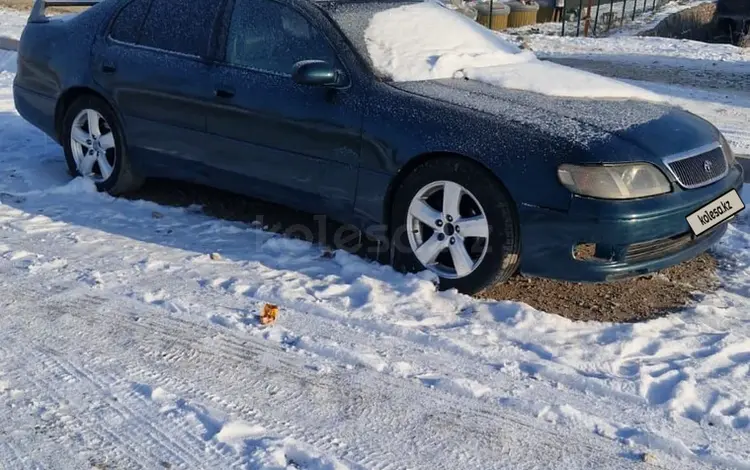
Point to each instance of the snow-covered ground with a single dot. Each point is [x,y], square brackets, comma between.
[625,54]
[729,111]
[123,344]
[642,49]
[12,23]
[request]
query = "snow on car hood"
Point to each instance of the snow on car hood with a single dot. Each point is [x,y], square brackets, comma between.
[426,41]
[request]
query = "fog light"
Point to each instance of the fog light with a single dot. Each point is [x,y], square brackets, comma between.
[585,252]
[593,252]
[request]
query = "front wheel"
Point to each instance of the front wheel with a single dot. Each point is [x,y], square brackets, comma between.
[451,217]
[95,146]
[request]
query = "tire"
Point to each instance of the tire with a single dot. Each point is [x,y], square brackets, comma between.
[481,193]
[117,178]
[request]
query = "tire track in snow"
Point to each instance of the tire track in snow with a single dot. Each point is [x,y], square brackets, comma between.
[173,348]
[7,449]
[113,446]
[65,371]
[178,451]
[336,319]
[187,351]
[463,415]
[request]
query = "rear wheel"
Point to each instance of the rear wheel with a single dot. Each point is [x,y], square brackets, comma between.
[94,146]
[451,217]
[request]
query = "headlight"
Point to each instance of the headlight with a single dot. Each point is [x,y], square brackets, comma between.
[728,154]
[628,181]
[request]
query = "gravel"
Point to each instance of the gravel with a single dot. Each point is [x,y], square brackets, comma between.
[631,300]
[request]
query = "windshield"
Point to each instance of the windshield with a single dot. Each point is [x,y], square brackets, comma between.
[421,41]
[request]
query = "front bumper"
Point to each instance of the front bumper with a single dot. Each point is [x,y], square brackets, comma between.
[638,237]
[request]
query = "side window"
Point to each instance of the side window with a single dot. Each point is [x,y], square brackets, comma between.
[127,25]
[266,35]
[180,26]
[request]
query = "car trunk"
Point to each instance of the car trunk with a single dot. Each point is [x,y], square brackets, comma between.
[69,8]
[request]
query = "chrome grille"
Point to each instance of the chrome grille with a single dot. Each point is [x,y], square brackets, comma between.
[696,170]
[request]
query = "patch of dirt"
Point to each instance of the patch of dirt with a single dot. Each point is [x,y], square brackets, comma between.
[631,300]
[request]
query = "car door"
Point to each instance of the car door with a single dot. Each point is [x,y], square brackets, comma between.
[293,143]
[152,62]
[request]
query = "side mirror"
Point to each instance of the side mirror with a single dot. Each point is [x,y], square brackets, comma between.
[318,73]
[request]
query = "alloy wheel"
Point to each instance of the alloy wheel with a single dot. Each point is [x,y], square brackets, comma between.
[93,145]
[447,229]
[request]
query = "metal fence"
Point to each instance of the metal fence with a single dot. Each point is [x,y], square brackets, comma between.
[597,17]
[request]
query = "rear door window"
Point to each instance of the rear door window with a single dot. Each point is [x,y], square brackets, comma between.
[127,25]
[180,26]
[266,35]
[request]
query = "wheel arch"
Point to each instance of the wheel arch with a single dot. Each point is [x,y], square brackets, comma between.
[68,97]
[417,161]
[127,176]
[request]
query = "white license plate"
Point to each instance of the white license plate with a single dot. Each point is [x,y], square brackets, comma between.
[715,212]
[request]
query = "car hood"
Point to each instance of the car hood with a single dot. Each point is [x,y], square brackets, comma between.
[656,130]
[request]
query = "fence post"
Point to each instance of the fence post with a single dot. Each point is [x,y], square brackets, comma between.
[489,20]
[587,23]
[635,8]
[653,7]
[611,14]
[622,18]
[644,6]
[596,18]
[580,12]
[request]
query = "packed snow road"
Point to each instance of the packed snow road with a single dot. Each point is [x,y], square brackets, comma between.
[100,379]
[123,344]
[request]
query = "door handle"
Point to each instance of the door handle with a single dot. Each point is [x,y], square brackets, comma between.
[224,93]
[109,67]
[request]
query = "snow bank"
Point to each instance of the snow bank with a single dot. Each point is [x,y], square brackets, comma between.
[12,22]
[646,49]
[7,61]
[445,44]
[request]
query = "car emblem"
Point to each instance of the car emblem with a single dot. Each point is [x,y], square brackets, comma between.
[707,165]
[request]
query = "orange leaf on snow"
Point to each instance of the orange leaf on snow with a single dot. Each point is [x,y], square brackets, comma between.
[270,312]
